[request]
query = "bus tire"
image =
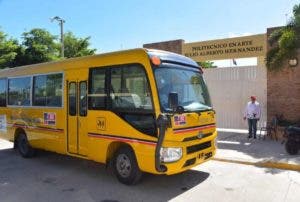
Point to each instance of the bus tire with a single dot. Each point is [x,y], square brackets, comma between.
[125,166]
[24,147]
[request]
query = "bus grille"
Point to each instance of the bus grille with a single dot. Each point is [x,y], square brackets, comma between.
[198,147]
[196,137]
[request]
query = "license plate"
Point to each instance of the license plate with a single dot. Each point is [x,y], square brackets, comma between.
[204,155]
[201,155]
[207,155]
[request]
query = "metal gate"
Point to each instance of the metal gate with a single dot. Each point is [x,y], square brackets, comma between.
[230,89]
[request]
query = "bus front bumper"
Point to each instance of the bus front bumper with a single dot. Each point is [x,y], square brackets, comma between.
[193,154]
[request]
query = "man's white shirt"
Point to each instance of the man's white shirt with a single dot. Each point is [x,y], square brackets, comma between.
[252,110]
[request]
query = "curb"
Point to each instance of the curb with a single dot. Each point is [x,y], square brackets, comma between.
[266,164]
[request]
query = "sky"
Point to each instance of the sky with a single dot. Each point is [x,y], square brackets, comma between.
[124,24]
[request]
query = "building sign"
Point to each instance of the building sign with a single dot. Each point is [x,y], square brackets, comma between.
[239,47]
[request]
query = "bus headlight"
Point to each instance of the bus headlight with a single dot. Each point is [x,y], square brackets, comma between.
[170,154]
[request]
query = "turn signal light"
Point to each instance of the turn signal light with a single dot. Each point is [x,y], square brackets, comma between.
[155,60]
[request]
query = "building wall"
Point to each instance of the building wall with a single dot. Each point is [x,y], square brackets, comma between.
[172,46]
[284,91]
[280,90]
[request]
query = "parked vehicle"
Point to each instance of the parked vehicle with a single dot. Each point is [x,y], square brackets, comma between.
[292,144]
[136,110]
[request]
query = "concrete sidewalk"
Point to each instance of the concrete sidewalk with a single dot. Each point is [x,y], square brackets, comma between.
[234,146]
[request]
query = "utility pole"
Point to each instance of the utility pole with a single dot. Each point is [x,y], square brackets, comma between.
[61,23]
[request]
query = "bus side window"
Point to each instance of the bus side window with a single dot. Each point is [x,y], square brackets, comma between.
[129,88]
[97,93]
[82,99]
[47,90]
[72,99]
[19,91]
[3,93]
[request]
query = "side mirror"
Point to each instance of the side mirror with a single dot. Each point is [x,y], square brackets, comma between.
[173,101]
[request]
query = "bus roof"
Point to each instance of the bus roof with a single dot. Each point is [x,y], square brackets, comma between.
[165,56]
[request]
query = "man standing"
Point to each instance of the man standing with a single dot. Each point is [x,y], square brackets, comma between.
[252,114]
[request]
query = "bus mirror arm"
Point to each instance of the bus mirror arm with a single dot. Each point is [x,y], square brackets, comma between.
[162,123]
[173,101]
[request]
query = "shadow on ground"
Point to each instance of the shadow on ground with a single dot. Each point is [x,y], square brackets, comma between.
[241,147]
[54,177]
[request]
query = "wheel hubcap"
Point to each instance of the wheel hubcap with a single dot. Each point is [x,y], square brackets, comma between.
[123,165]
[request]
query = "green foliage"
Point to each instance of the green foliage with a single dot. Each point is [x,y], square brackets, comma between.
[275,36]
[8,51]
[296,20]
[206,64]
[274,59]
[77,47]
[287,41]
[39,46]
[284,42]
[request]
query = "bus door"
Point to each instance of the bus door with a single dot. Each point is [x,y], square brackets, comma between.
[77,112]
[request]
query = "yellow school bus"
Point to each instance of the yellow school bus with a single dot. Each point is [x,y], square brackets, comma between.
[137,111]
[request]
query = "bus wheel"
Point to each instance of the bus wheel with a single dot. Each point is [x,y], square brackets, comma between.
[23,146]
[125,166]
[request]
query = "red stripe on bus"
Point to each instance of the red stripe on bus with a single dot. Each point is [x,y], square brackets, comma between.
[121,139]
[37,128]
[194,129]
[48,129]
[19,125]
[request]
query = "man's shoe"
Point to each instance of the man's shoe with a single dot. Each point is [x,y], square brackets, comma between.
[254,137]
[250,136]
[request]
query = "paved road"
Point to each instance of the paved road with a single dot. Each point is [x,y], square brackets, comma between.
[53,177]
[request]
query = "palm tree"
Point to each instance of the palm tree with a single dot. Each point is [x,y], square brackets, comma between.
[284,42]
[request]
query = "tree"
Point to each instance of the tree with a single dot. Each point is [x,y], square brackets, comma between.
[77,47]
[207,64]
[8,51]
[39,46]
[284,42]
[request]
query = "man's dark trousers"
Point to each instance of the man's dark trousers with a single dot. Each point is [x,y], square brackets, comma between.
[252,123]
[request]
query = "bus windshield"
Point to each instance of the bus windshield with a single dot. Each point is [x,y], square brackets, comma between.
[188,83]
